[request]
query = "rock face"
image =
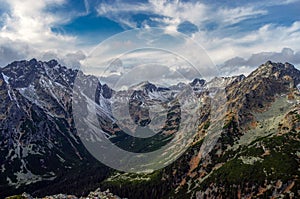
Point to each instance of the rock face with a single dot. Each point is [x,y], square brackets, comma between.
[262,126]
[256,155]
[38,141]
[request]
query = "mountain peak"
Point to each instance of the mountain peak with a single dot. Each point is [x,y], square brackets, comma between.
[24,72]
[51,63]
[33,61]
[278,66]
[276,69]
[288,65]
[197,81]
[144,85]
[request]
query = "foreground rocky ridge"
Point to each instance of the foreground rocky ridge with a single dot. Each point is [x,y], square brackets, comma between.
[256,154]
[95,194]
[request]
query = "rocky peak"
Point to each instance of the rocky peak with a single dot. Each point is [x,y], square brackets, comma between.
[224,81]
[24,73]
[106,91]
[52,63]
[145,85]
[261,88]
[197,82]
[278,70]
[150,87]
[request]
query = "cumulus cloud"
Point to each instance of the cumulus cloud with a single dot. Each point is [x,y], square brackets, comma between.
[11,51]
[245,65]
[226,38]
[26,32]
[155,66]
[32,25]
[193,17]
[72,60]
[157,74]
[268,38]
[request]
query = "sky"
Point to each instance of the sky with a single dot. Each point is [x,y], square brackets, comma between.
[237,35]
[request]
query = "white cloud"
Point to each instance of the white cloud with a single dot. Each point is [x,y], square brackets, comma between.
[87,6]
[229,16]
[268,38]
[172,13]
[10,50]
[151,47]
[28,24]
[275,2]
[219,46]
[71,59]
[195,12]
[242,65]
[26,30]
[120,12]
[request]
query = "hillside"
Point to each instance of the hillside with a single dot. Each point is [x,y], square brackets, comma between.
[255,154]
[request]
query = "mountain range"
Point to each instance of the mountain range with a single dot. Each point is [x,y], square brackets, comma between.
[255,154]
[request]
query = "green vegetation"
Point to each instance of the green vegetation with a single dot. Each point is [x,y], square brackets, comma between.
[137,185]
[231,124]
[280,163]
[298,117]
[228,124]
[16,197]
[206,125]
[159,184]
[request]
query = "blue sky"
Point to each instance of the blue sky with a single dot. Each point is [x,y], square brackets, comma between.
[68,30]
[106,18]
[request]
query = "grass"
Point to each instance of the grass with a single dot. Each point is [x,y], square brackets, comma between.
[16,197]
[298,117]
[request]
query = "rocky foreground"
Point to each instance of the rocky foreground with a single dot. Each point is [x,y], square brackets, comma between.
[97,194]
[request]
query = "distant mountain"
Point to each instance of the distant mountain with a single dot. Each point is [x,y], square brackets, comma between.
[255,155]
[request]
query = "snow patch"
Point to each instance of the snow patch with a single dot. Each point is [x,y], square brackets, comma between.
[250,159]
[2,168]
[30,94]
[48,85]
[10,92]
[6,78]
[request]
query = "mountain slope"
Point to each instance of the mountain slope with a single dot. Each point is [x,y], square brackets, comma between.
[38,140]
[255,155]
